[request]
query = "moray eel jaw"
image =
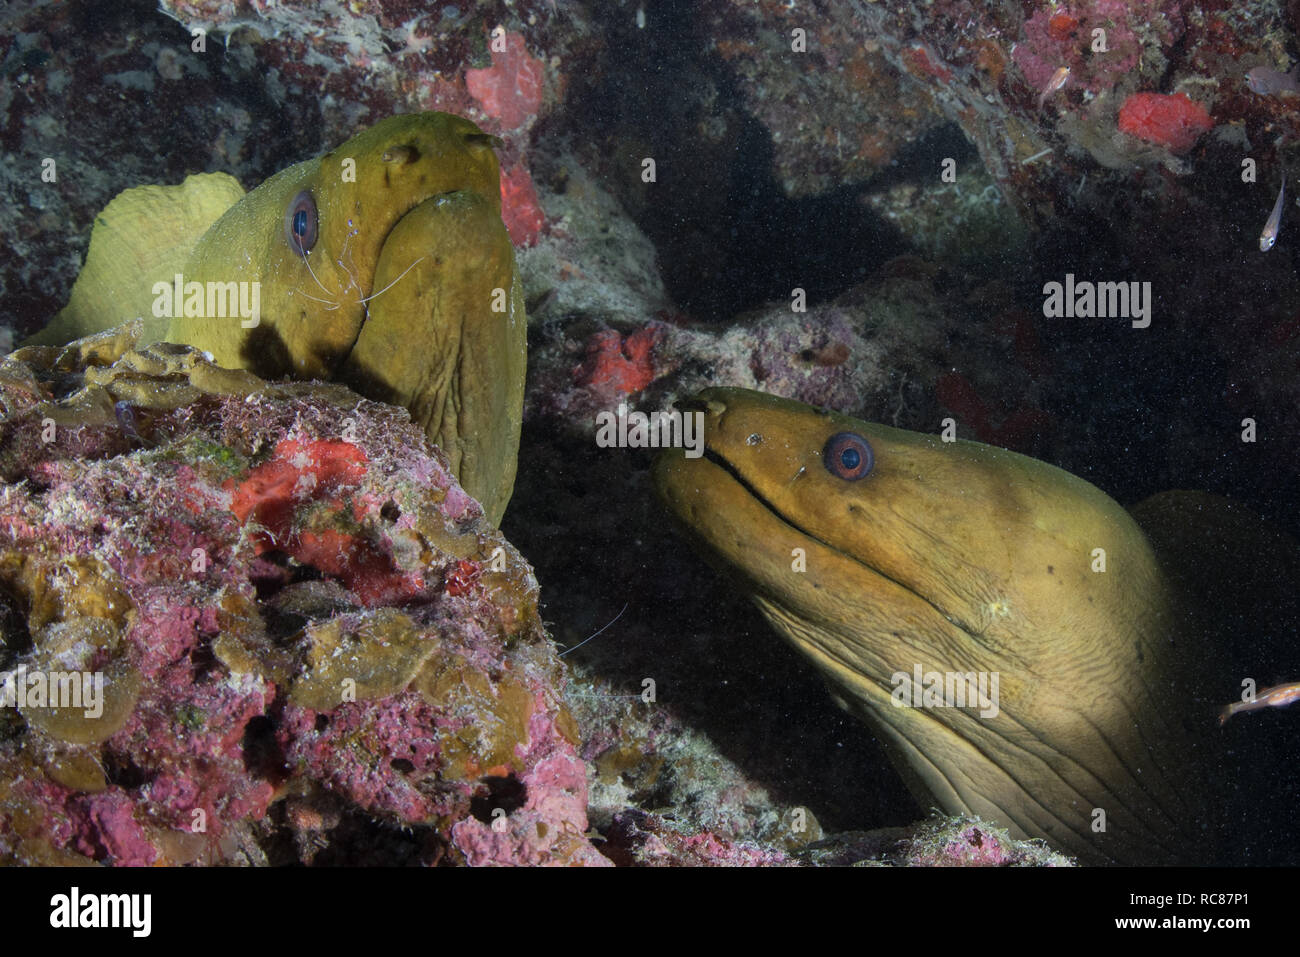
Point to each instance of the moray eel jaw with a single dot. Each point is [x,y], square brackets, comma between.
[460,372]
[962,558]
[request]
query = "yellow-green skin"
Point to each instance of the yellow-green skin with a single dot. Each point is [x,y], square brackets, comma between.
[961,557]
[409,216]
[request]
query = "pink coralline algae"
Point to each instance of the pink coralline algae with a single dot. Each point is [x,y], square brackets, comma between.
[511,89]
[970,842]
[557,792]
[642,838]
[354,751]
[106,828]
[1174,121]
[289,597]
[1065,36]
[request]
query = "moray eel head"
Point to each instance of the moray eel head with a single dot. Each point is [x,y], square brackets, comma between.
[383,263]
[390,269]
[313,235]
[882,555]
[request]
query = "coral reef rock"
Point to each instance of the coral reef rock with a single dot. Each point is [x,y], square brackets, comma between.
[294,636]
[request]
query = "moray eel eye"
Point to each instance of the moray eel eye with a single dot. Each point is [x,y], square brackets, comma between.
[300,223]
[848,455]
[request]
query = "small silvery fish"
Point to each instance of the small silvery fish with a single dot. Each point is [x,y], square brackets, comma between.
[1278,696]
[1055,83]
[1269,236]
[1266,81]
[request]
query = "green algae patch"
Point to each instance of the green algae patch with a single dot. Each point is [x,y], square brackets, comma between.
[68,654]
[347,660]
[51,589]
[496,712]
[76,614]
[77,769]
[191,717]
[225,459]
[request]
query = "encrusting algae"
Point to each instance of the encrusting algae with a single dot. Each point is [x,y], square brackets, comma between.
[276,569]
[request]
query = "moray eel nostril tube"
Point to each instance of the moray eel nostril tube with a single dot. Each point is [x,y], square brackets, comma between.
[383,263]
[877,552]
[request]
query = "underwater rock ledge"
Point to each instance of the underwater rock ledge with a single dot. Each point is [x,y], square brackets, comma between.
[303,626]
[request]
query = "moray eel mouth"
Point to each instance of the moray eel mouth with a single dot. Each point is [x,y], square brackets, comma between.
[413,235]
[881,554]
[445,337]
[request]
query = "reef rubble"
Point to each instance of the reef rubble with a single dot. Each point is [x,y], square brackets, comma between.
[295,609]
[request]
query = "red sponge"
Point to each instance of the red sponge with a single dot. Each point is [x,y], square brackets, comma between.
[1173,121]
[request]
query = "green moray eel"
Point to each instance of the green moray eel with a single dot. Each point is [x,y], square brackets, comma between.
[383,264]
[876,551]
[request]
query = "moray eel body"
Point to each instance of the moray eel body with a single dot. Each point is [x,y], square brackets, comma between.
[383,263]
[877,557]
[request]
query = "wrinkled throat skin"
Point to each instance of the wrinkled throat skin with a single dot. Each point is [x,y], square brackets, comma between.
[963,558]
